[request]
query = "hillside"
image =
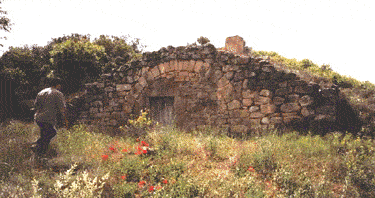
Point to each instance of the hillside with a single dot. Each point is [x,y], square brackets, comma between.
[361,95]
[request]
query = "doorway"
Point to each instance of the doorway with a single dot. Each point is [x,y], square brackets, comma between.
[162,109]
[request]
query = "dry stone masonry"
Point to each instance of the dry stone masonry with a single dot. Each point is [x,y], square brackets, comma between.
[198,85]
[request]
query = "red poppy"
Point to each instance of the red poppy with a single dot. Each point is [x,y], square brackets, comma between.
[124,150]
[112,148]
[144,151]
[123,177]
[158,187]
[138,152]
[165,181]
[151,189]
[144,143]
[141,184]
[137,140]
[251,169]
[104,157]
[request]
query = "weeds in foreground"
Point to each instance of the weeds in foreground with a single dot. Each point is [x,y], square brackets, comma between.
[167,162]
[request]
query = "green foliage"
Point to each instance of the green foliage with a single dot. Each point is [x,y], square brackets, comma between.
[4,22]
[179,164]
[118,51]
[203,40]
[12,140]
[26,64]
[77,61]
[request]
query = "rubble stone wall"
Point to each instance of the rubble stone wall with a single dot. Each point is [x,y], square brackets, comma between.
[209,87]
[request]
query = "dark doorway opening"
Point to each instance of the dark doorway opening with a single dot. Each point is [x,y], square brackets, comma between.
[162,109]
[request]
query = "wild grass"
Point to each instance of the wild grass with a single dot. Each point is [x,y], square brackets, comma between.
[168,162]
[324,71]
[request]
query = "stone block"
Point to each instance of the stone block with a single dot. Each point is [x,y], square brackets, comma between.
[155,72]
[254,122]
[283,91]
[261,100]
[235,44]
[142,81]
[239,129]
[276,120]
[249,94]
[234,113]
[268,68]
[329,118]
[266,93]
[109,89]
[198,66]
[244,113]
[256,115]
[145,70]
[93,110]
[226,93]
[283,84]
[97,103]
[254,109]
[278,100]
[247,102]
[288,119]
[229,75]
[235,104]
[244,84]
[298,83]
[206,66]
[183,65]
[222,82]
[290,107]
[182,76]
[126,108]
[190,66]
[307,112]
[173,65]
[112,122]
[267,109]
[123,87]
[306,100]
[301,89]
[265,120]
[162,68]
[293,98]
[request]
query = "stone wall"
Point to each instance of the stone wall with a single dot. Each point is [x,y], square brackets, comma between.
[210,87]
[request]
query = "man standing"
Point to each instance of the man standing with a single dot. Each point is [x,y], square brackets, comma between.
[49,111]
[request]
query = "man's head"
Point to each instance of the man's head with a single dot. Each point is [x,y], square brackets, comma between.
[54,82]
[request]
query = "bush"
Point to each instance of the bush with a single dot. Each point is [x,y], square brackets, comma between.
[203,40]
[79,186]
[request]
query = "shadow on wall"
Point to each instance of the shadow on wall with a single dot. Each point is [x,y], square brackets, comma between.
[347,120]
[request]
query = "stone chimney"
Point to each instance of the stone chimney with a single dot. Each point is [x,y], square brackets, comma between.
[235,44]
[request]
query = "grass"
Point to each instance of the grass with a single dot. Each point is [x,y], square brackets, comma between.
[313,69]
[167,162]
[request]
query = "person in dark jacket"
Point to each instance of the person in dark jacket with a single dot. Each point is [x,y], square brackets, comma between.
[49,111]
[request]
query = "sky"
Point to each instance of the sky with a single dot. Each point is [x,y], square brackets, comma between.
[338,33]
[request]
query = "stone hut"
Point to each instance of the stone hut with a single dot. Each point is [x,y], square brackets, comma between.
[196,86]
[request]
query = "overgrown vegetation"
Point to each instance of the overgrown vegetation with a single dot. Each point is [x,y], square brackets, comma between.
[167,162]
[360,94]
[75,58]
